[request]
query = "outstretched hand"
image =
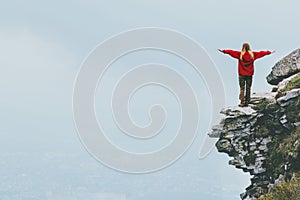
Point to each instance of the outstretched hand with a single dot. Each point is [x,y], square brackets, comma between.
[220,50]
[273,51]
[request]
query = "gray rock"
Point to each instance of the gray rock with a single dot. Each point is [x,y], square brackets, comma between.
[297,124]
[238,162]
[216,131]
[262,148]
[228,135]
[237,123]
[252,148]
[256,98]
[266,140]
[284,101]
[253,144]
[224,145]
[286,67]
[283,119]
[285,82]
[259,170]
[261,158]
[235,111]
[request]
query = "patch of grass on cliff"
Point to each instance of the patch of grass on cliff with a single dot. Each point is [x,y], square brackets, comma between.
[282,149]
[292,113]
[261,105]
[269,126]
[250,159]
[284,191]
[288,146]
[262,132]
[294,83]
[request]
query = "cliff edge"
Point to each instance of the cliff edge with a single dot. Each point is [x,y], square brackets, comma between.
[264,138]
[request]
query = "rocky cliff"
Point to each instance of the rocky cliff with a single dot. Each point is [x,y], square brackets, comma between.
[286,67]
[264,138]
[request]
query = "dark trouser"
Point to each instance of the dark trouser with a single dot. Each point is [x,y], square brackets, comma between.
[245,81]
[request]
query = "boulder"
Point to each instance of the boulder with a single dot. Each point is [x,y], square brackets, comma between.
[286,67]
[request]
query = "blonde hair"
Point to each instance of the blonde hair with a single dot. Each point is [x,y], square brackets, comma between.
[246,48]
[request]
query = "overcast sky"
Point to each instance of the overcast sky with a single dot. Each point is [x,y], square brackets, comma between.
[43,43]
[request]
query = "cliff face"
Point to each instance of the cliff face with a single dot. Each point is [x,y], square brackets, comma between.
[264,138]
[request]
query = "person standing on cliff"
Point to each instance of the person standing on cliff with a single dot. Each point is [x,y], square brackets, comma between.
[246,58]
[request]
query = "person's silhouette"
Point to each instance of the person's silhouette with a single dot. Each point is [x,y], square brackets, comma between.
[246,58]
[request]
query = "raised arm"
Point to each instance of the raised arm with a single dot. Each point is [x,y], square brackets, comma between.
[232,53]
[260,54]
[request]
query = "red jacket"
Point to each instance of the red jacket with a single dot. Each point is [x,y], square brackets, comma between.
[246,65]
